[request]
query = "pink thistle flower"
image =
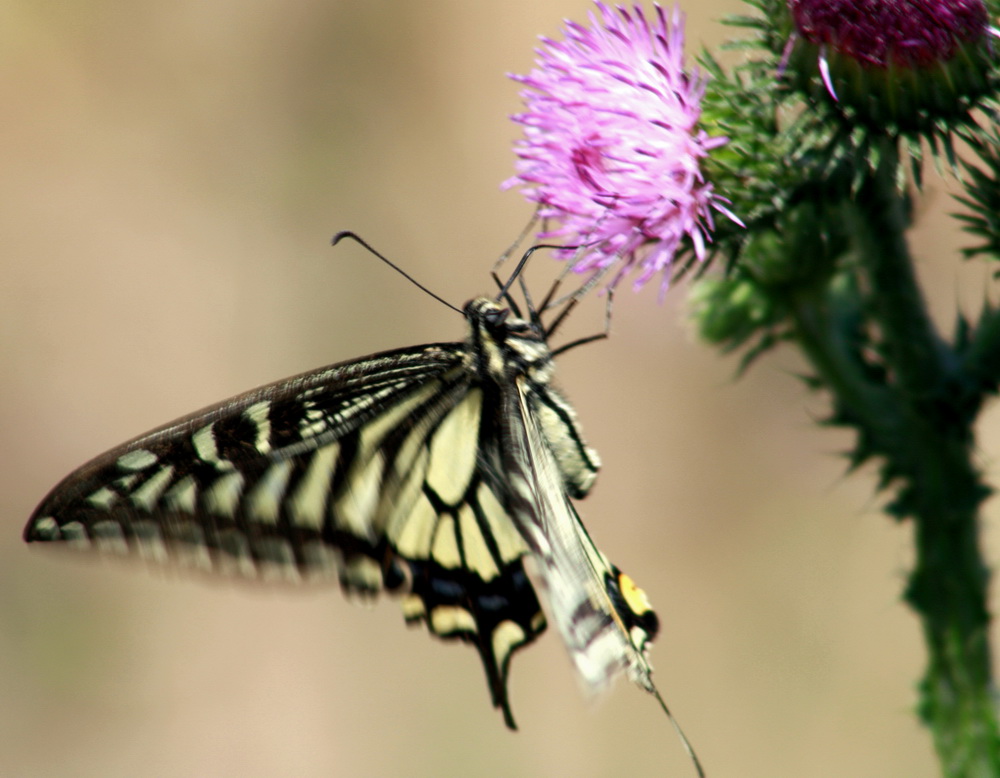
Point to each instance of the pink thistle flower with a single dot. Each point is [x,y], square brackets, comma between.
[877,33]
[611,149]
[883,34]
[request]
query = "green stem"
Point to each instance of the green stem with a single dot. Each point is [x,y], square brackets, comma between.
[981,358]
[820,334]
[939,488]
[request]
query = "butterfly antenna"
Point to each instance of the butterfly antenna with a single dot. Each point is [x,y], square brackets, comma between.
[680,733]
[358,239]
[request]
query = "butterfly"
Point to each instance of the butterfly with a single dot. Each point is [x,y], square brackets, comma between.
[431,472]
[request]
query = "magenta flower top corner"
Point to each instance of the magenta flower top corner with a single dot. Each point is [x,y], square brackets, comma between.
[612,150]
[899,60]
[881,33]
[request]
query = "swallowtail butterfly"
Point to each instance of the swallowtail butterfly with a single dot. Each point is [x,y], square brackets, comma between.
[431,472]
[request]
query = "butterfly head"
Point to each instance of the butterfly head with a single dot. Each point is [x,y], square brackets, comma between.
[507,344]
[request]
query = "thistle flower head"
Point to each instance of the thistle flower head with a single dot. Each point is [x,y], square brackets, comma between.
[611,149]
[907,64]
[880,33]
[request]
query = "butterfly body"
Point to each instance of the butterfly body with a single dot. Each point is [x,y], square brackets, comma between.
[430,471]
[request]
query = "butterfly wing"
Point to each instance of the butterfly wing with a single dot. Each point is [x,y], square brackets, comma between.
[430,471]
[368,471]
[605,621]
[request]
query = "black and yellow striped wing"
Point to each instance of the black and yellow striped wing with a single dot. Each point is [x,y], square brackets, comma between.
[429,472]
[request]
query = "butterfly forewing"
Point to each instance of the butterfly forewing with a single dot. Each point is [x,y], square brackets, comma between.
[430,471]
[237,479]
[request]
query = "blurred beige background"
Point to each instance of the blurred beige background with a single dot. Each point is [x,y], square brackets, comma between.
[172,174]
